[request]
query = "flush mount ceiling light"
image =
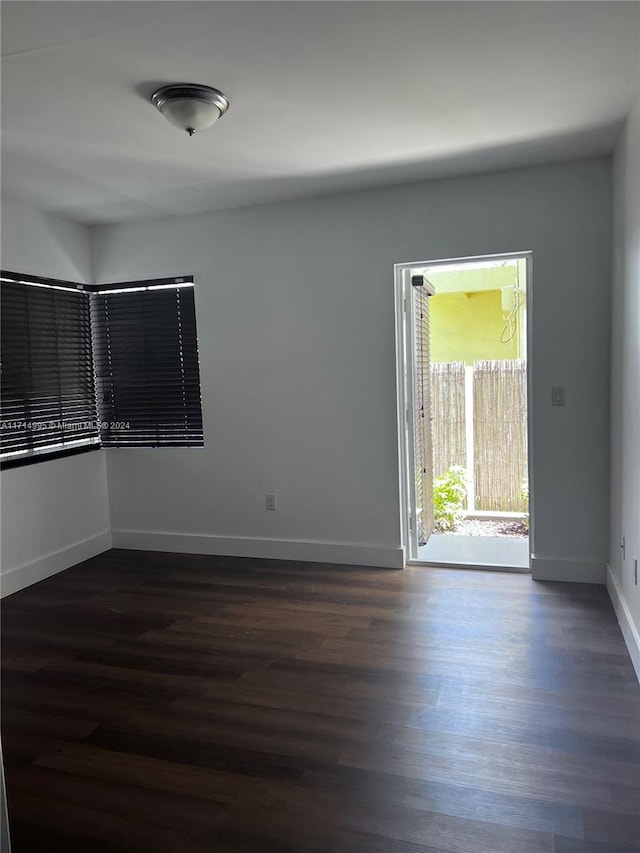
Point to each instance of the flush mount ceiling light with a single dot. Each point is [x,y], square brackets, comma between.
[190,107]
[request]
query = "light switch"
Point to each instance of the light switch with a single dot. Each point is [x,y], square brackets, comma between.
[557,396]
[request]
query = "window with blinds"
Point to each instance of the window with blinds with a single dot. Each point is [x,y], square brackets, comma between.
[146,364]
[47,394]
[85,366]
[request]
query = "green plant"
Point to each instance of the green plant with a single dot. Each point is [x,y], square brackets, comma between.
[524,491]
[449,494]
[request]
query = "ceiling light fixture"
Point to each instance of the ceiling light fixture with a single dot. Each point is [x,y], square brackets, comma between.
[190,107]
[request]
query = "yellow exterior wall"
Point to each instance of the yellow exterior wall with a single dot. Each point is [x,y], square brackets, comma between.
[467,327]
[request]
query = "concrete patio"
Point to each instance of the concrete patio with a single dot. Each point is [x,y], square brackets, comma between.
[486,552]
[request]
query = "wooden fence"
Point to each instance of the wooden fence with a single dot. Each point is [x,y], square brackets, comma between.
[492,443]
[448,415]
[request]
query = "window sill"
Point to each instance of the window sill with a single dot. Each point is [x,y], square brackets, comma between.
[5,464]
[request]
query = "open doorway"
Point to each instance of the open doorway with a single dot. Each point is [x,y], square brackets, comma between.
[464,414]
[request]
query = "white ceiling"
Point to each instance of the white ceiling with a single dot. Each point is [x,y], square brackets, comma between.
[325,96]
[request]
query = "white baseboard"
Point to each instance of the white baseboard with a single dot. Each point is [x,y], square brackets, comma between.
[629,630]
[50,564]
[377,556]
[568,569]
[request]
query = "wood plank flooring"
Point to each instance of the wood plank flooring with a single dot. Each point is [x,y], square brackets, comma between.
[191,704]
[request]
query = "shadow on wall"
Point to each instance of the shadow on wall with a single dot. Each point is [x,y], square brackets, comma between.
[35,243]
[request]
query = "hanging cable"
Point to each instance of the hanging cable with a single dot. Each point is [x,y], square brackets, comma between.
[510,327]
[511,319]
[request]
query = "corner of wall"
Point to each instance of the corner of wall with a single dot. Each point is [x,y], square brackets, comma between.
[625,384]
[46,565]
[625,620]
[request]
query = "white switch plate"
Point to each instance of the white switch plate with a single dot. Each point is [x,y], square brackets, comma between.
[271,502]
[557,396]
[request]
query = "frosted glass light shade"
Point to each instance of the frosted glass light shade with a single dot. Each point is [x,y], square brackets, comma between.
[189,107]
[190,114]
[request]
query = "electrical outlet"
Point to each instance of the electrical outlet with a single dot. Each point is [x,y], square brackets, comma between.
[271,502]
[557,396]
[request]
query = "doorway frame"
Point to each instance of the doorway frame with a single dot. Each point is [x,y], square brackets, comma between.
[405,366]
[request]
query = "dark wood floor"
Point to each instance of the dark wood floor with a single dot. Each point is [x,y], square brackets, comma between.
[187,704]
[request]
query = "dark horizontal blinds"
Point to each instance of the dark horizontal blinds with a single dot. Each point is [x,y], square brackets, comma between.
[47,386]
[146,365]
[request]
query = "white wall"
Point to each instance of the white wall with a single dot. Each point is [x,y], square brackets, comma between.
[625,389]
[295,317]
[53,514]
[38,244]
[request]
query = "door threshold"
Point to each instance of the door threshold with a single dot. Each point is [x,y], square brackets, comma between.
[482,567]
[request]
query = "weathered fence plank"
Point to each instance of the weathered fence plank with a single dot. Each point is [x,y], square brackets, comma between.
[447,410]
